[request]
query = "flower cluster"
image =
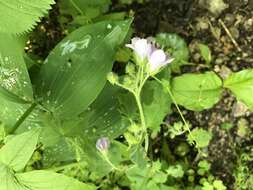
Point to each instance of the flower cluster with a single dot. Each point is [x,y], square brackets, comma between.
[147,51]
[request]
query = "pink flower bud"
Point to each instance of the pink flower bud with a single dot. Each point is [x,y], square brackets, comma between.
[103,144]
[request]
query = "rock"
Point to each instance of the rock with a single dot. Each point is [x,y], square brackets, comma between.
[224,72]
[229,19]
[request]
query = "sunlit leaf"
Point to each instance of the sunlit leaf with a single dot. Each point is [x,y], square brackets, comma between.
[45,180]
[241,84]
[19,149]
[197,91]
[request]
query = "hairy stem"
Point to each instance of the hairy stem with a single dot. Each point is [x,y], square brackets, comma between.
[143,122]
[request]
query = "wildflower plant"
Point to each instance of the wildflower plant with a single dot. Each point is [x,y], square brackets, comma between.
[147,61]
[64,126]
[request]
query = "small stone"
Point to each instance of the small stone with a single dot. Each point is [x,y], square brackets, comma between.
[224,72]
[234,32]
[239,109]
[229,19]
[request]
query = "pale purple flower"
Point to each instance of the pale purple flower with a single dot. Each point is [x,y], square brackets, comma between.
[145,49]
[141,47]
[103,144]
[158,59]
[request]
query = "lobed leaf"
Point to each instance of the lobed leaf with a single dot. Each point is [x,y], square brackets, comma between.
[19,16]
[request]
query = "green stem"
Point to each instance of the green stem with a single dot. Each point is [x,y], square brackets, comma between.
[109,162]
[177,107]
[143,123]
[23,117]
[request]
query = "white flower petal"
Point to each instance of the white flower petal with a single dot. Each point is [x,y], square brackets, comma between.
[141,47]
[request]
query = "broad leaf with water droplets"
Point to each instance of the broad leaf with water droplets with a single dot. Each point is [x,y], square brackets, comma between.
[14,79]
[75,71]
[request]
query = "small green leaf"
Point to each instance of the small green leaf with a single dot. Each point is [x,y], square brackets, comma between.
[197,91]
[218,184]
[149,177]
[45,180]
[157,104]
[200,136]
[82,11]
[177,47]
[19,149]
[175,171]
[205,53]
[19,16]
[241,84]
[75,71]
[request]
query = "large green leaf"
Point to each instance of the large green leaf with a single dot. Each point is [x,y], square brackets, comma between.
[14,79]
[197,91]
[38,180]
[102,118]
[241,84]
[75,72]
[46,180]
[19,149]
[11,112]
[15,86]
[7,179]
[18,16]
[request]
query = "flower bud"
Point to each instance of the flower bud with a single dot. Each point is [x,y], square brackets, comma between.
[130,69]
[127,81]
[113,78]
[103,144]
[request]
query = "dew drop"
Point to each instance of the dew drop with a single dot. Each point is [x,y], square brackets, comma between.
[109,26]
